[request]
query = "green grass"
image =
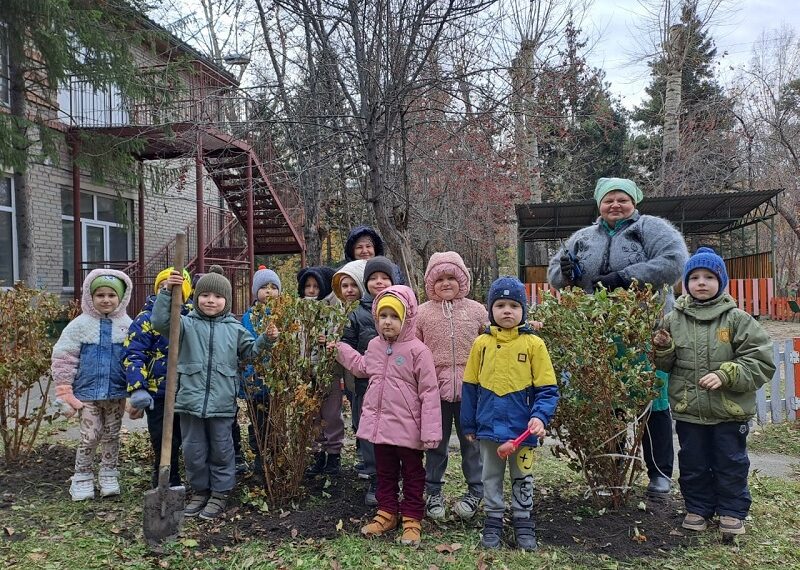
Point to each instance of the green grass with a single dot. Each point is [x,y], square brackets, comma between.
[40,531]
[776,438]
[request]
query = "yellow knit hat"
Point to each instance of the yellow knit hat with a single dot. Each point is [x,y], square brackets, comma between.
[186,288]
[393,303]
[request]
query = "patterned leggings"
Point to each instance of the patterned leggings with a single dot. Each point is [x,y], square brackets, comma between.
[100,423]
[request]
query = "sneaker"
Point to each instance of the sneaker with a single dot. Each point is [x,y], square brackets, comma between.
[525,534]
[369,499]
[196,504]
[492,532]
[109,482]
[82,486]
[332,465]
[412,532]
[318,466]
[215,507]
[382,523]
[694,522]
[731,525]
[467,506]
[434,507]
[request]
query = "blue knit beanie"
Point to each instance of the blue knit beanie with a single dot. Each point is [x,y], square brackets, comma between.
[263,277]
[706,258]
[507,288]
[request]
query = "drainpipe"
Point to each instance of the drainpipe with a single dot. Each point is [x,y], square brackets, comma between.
[77,260]
[198,182]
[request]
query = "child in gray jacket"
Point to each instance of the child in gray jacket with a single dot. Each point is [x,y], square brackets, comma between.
[212,343]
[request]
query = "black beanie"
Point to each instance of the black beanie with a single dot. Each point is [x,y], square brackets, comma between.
[322,275]
[214,282]
[382,264]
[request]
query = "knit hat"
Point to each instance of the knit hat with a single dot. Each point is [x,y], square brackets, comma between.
[354,270]
[214,282]
[706,258]
[356,234]
[263,277]
[446,263]
[508,288]
[393,303]
[379,263]
[186,288]
[606,185]
[110,281]
[322,275]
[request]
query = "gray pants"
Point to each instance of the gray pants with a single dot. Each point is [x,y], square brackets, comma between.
[520,466]
[208,453]
[436,459]
[331,436]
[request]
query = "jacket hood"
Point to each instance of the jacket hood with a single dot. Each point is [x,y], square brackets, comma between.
[409,300]
[86,296]
[705,311]
[446,263]
[358,232]
[321,274]
[354,270]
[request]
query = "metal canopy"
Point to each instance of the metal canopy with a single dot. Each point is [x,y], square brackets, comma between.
[697,214]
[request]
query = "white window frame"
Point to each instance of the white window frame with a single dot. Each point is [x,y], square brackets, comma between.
[94,222]
[14,246]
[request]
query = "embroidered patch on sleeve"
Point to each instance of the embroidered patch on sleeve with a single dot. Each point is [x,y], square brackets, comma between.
[724,335]
[522,357]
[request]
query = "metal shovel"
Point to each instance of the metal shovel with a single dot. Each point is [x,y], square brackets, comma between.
[163,506]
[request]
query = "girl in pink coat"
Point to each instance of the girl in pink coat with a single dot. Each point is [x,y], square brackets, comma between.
[400,414]
[448,324]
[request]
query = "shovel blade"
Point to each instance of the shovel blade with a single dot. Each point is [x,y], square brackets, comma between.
[163,513]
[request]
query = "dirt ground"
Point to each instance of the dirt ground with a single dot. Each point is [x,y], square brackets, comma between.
[627,534]
[781,330]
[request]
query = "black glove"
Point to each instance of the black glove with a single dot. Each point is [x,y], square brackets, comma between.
[566,266]
[613,280]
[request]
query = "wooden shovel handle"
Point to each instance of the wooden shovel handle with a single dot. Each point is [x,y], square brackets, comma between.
[172,359]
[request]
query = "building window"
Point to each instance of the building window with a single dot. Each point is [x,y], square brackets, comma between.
[8,234]
[105,233]
[5,71]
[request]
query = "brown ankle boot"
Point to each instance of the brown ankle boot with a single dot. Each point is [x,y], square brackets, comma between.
[412,531]
[382,523]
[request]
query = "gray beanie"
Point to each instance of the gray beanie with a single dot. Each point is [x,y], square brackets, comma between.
[379,263]
[214,282]
[263,277]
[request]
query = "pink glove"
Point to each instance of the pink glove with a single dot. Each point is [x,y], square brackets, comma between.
[430,444]
[64,393]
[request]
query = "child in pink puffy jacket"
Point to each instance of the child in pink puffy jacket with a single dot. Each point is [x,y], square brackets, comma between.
[400,414]
[448,324]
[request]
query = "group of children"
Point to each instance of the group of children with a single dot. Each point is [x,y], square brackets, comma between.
[411,372]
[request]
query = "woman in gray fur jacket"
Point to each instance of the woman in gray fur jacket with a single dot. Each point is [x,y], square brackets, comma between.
[623,245]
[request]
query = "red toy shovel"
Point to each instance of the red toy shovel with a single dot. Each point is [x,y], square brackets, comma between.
[512,445]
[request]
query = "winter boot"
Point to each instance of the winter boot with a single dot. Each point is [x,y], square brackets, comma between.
[332,465]
[730,526]
[197,503]
[382,523]
[659,487]
[412,532]
[109,482]
[525,533]
[82,486]
[215,507]
[492,532]
[369,498]
[434,507]
[694,522]
[318,466]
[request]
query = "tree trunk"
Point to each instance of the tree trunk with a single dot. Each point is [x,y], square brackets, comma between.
[789,213]
[672,104]
[23,200]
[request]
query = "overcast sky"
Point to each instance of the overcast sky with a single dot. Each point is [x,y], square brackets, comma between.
[619,25]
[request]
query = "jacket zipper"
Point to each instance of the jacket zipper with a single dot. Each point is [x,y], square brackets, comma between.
[380,399]
[208,369]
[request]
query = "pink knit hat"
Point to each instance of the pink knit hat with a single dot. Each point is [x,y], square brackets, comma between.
[446,263]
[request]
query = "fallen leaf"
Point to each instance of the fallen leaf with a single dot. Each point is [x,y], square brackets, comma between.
[189,542]
[339,525]
[642,506]
[115,530]
[37,556]
[335,565]
[448,548]
[294,533]
[284,514]
[675,532]
[9,530]
[640,538]
[163,564]
[480,563]
[433,567]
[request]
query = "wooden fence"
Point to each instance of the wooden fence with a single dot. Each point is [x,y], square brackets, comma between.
[784,399]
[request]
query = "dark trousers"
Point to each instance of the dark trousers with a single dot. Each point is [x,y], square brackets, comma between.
[394,462]
[155,427]
[257,430]
[236,433]
[659,453]
[208,453]
[714,466]
[365,447]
